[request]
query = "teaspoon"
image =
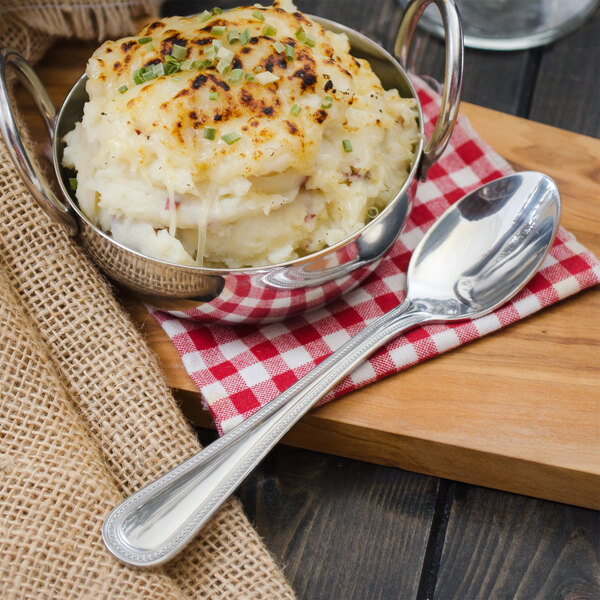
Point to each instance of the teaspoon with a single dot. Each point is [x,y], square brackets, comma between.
[478,255]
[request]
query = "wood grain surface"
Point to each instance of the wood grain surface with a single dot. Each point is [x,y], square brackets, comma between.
[348,529]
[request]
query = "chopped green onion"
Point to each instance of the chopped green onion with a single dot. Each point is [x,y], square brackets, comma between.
[213,95]
[258,69]
[347,144]
[179,52]
[249,76]
[266,78]
[233,36]
[207,62]
[198,65]
[186,65]
[245,37]
[169,58]
[153,71]
[258,15]
[225,54]
[372,212]
[289,53]
[269,30]
[144,40]
[123,89]
[310,41]
[327,102]
[204,16]
[209,133]
[148,48]
[218,30]
[73,183]
[300,34]
[138,75]
[224,66]
[279,47]
[235,76]
[295,110]
[216,45]
[231,138]
[216,10]
[172,67]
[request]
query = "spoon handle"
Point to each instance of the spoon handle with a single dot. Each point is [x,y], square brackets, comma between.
[156,522]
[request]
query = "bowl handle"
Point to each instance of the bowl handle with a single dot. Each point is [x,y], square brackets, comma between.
[452,72]
[30,172]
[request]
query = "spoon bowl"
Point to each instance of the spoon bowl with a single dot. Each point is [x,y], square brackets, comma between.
[485,248]
[476,257]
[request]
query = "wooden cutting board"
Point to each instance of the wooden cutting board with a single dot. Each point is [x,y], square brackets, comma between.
[518,410]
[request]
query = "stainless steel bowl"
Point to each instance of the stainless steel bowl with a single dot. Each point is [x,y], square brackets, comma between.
[246,295]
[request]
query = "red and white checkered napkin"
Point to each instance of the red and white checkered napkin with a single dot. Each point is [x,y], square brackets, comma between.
[240,368]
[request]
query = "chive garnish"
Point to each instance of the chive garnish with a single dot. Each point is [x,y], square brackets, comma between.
[213,95]
[198,65]
[186,65]
[153,71]
[310,41]
[279,47]
[144,40]
[235,76]
[224,66]
[300,34]
[123,89]
[295,110]
[73,183]
[269,30]
[207,62]
[266,78]
[204,16]
[138,75]
[249,76]
[258,69]
[347,145]
[231,137]
[233,36]
[245,37]
[372,212]
[289,53]
[216,10]
[327,102]
[218,30]
[179,52]
[225,53]
[258,15]
[209,133]
[172,67]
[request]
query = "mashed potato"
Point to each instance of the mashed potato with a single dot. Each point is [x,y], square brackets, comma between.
[243,138]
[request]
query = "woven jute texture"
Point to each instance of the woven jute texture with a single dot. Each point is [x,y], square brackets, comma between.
[54,486]
[87,419]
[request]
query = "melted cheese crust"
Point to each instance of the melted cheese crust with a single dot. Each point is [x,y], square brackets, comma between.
[287,187]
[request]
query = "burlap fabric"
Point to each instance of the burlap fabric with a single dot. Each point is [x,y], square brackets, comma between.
[86,418]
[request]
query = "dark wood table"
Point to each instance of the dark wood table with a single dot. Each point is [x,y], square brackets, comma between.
[354,530]
[348,529]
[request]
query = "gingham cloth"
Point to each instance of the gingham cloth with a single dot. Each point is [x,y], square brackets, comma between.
[240,368]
